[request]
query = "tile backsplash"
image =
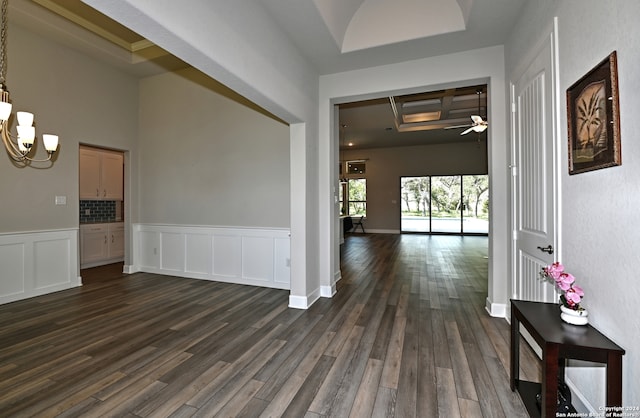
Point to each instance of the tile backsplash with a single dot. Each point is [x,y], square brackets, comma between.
[96,211]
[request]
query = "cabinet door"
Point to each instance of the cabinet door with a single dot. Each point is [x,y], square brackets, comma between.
[89,174]
[116,240]
[112,176]
[93,244]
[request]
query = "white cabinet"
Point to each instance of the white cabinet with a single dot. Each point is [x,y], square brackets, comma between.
[115,236]
[101,244]
[101,174]
[93,243]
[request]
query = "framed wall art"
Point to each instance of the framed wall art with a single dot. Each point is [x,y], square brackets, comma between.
[593,119]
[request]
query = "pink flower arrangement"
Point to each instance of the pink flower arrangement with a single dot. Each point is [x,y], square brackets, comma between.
[573,293]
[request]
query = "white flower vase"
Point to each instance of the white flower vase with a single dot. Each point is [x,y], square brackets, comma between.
[577,317]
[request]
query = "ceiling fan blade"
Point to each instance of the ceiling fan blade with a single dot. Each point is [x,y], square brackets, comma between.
[480,128]
[468,130]
[457,126]
[476,119]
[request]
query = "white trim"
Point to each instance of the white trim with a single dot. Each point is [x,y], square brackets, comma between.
[414,76]
[36,263]
[298,302]
[304,302]
[327,291]
[579,401]
[497,310]
[129,269]
[251,256]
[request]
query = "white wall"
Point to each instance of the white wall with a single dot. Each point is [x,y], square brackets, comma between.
[599,218]
[413,76]
[385,166]
[208,160]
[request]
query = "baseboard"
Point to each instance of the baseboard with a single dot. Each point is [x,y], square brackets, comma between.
[380,231]
[129,269]
[497,310]
[327,291]
[304,302]
[579,401]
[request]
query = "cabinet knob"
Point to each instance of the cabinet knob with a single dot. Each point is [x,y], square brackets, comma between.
[105,239]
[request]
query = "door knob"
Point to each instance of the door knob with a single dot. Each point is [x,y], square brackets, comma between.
[547,249]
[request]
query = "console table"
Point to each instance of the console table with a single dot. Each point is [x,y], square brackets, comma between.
[559,341]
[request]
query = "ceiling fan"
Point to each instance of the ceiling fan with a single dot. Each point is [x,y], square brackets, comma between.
[478,125]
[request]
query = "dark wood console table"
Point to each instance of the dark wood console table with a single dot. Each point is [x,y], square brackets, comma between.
[559,341]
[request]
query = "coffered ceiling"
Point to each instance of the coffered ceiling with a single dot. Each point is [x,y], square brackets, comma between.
[415,119]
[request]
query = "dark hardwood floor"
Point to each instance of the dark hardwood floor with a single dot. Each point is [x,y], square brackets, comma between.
[406,335]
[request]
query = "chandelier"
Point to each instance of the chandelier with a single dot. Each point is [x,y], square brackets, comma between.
[18,146]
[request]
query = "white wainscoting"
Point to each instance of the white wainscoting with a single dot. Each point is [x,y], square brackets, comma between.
[38,262]
[253,256]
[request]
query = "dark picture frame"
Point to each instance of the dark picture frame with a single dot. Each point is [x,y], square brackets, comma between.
[594,119]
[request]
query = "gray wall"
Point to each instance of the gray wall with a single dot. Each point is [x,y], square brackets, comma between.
[385,166]
[207,160]
[74,96]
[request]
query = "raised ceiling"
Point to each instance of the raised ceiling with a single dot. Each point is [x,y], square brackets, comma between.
[73,23]
[335,35]
[362,24]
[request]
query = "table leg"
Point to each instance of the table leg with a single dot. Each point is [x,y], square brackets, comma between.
[614,379]
[515,350]
[550,380]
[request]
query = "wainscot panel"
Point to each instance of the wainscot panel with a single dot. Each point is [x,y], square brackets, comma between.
[252,256]
[37,262]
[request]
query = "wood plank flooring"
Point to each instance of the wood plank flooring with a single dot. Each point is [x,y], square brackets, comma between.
[406,335]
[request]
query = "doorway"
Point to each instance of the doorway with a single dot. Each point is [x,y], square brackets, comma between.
[445,204]
[101,217]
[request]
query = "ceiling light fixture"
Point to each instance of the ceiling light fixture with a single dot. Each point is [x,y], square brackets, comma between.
[20,146]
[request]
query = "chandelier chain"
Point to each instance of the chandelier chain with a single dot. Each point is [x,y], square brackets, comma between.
[3,43]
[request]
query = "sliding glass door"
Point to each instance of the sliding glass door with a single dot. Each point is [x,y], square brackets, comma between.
[415,193]
[445,204]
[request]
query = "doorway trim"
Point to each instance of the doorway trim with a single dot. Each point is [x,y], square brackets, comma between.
[405,78]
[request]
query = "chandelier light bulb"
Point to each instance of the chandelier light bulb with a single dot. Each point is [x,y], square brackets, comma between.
[25,118]
[5,111]
[50,142]
[26,135]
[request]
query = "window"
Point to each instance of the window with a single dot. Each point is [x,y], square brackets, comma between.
[356,192]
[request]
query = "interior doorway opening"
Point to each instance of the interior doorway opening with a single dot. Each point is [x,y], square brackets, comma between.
[445,204]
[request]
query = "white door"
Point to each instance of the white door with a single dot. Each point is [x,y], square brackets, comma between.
[535,174]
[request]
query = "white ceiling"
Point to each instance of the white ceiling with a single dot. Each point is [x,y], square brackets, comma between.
[334,35]
[488,24]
